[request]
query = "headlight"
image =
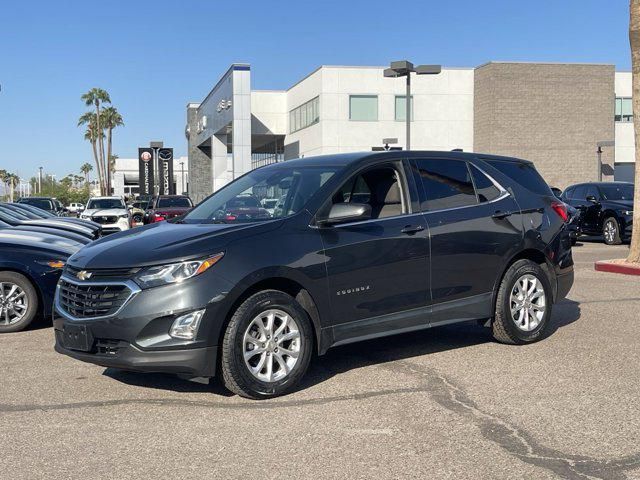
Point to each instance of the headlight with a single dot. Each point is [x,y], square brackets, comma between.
[175,272]
[85,216]
[126,215]
[627,212]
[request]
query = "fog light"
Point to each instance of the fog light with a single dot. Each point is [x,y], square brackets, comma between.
[186,326]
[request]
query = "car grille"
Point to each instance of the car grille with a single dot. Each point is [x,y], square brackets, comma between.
[105,220]
[98,274]
[86,301]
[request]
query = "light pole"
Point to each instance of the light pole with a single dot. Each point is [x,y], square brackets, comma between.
[40,181]
[182,182]
[404,68]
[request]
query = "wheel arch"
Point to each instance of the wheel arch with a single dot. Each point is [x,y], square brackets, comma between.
[281,282]
[17,268]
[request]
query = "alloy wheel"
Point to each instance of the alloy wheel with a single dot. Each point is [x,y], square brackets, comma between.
[13,303]
[610,230]
[527,302]
[271,345]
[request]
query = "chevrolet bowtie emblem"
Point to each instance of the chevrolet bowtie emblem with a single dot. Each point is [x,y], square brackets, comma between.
[84,275]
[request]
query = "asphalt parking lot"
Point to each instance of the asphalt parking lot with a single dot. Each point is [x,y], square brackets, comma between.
[443,403]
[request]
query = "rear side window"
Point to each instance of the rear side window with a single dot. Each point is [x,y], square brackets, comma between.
[580,193]
[485,188]
[523,173]
[446,183]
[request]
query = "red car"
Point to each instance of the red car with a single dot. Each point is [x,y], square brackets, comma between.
[165,207]
[242,208]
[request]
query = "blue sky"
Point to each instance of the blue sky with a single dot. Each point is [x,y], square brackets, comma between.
[155,56]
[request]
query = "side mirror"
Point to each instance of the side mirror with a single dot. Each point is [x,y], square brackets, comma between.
[346,212]
[592,199]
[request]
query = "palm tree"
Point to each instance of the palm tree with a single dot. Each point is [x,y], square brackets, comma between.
[4,178]
[91,135]
[634,40]
[85,169]
[12,178]
[111,119]
[96,97]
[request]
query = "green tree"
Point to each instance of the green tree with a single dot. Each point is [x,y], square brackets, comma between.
[91,135]
[96,97]
[85,169]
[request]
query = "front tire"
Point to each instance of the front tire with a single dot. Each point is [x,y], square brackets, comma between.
[267,346]
[611,231]
[523,304]
[18,302]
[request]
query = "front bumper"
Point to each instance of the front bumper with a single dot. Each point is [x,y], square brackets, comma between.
[193,362]
[136,337]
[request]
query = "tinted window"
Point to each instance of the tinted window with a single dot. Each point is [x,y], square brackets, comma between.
[38,202]
[617,192]
[446,183]
[580,192]
[523,173]
[568,193]
[485,188]
[592,190]
[168,202]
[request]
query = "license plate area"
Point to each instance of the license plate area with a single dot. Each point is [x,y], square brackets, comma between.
[76,337]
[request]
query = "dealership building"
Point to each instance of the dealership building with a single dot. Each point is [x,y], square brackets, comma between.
[574,121]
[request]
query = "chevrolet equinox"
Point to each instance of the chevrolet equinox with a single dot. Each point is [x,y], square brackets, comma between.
[363,245]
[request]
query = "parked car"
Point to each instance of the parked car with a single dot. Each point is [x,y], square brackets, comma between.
[45,230]
[110,212]
[136,210]
[30,265]
[48,204]
[95,228]
[75,208]
[424,239]
[13,218]
[165,207]
[606,209]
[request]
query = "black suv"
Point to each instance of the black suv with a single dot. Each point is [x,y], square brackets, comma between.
[607,209]
[48,204]
[365,245]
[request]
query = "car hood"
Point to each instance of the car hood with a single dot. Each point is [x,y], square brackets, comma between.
[72,227]
[107,212]
[162,242]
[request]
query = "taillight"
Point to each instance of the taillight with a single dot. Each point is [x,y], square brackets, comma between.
[561,209]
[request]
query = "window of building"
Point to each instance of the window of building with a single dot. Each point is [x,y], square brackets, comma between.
[401,108]
[624,109]
[305,115]
[485,188]
[363,108]
[446,183]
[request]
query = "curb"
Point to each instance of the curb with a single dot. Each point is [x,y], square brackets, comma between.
[622,268]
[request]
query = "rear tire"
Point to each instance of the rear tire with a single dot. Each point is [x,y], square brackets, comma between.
[18,302]
[267,346]
[523,305]
[611,231]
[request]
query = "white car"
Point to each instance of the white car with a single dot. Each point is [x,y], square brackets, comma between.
[110,212]
[75,207]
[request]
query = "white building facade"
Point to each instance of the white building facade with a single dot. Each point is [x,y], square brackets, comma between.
[339,109]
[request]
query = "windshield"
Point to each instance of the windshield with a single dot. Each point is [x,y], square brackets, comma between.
[617,192]
[240,201]
[104,203]
[37,202]
[169,202]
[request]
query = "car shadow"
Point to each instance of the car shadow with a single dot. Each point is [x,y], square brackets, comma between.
[587,239]
[363,354]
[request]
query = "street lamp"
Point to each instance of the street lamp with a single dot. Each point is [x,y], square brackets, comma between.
[404,68]
[40,180]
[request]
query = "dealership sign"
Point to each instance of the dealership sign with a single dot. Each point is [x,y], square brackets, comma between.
[165,168]
[145,168]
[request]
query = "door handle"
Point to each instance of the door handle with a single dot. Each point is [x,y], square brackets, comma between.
[411,229]
[499,214]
